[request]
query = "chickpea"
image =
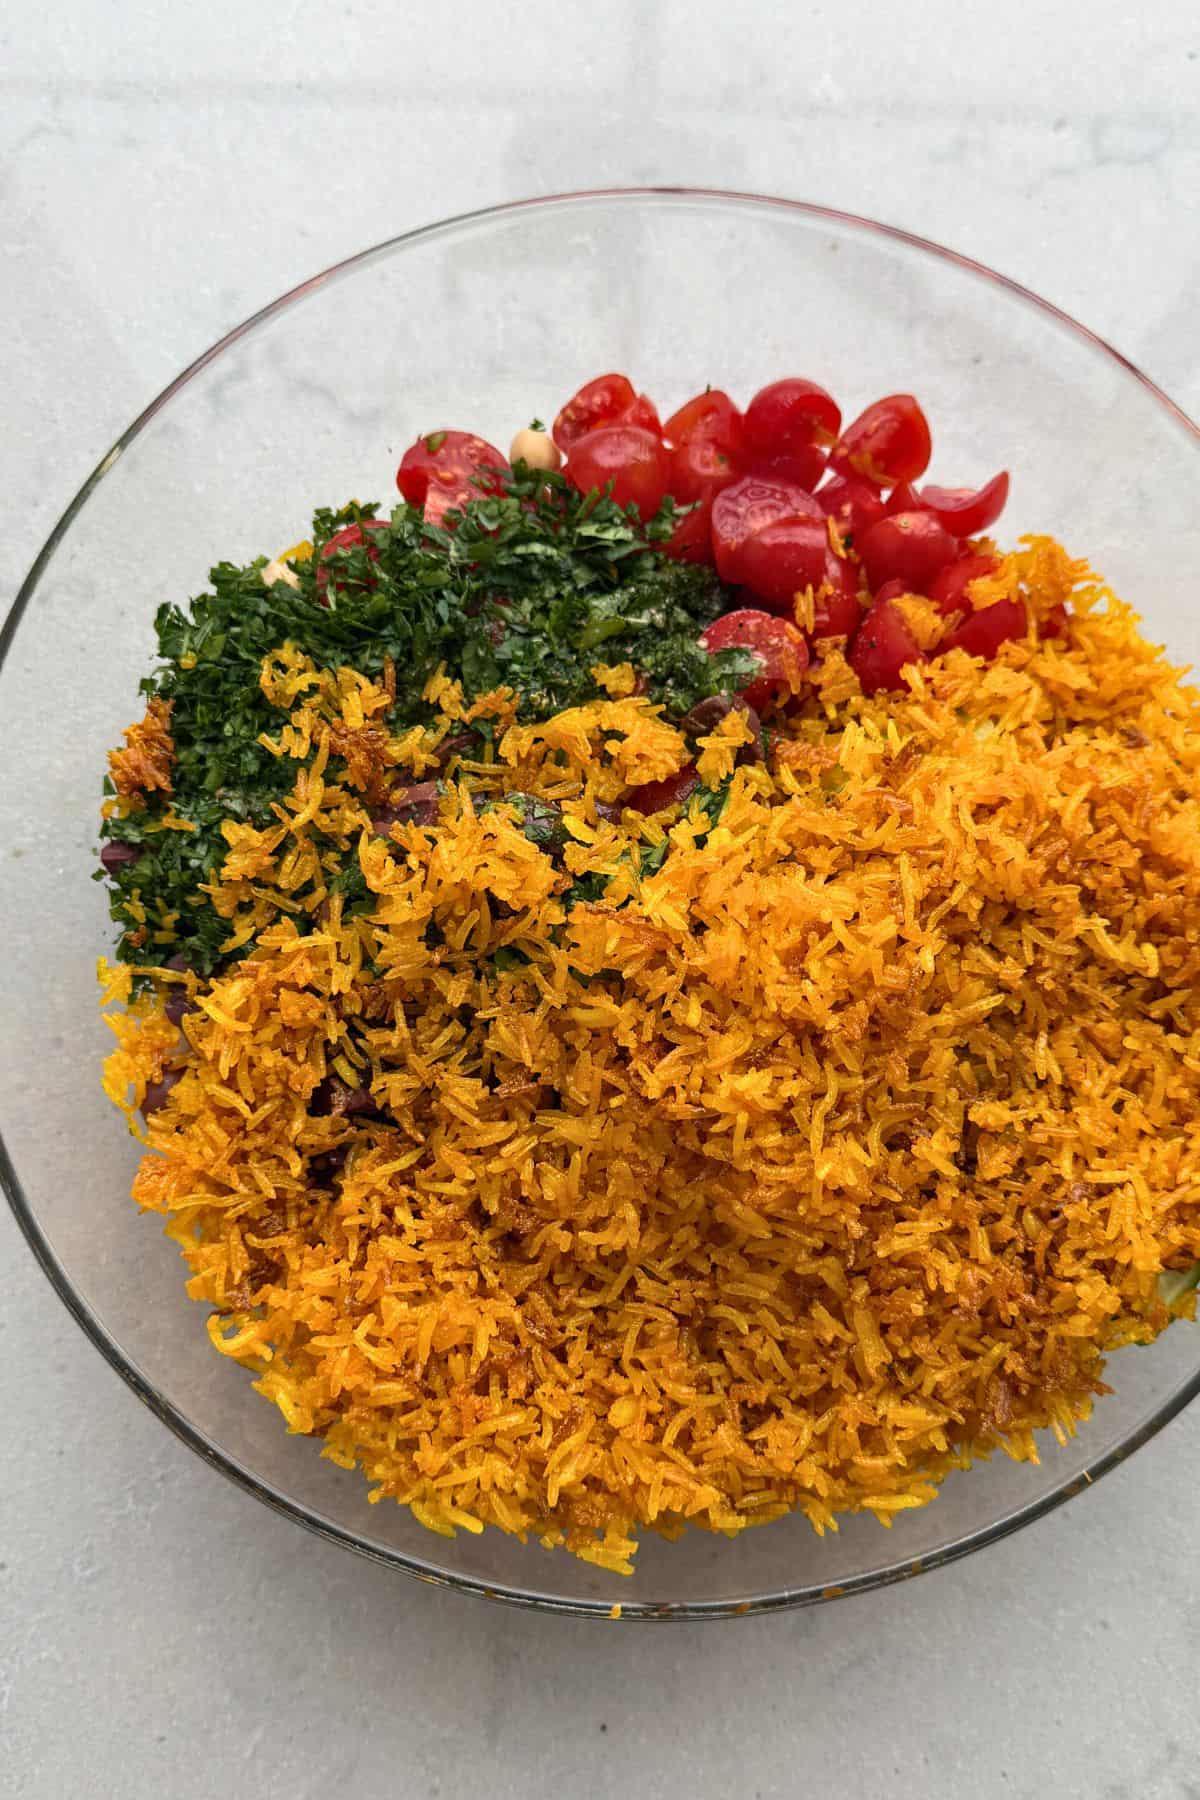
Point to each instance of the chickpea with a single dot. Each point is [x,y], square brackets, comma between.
[279,571]
[537,448]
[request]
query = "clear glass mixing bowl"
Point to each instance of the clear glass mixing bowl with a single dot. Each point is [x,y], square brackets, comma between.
[484,322]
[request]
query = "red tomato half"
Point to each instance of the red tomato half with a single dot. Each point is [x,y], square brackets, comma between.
[791,415]
[691,540]
[889,590]
[781,651]
[888,443]
[967,511]
[903,498]
[348,538]
[883,645]
[852,504]
[709,415]
[741,510]
[706,439]
[701,468]
[983,633]
[1055,623]
[948,589]
[633,460]
[644,414]
[608,400]
[442,470]
[784,558]
[672,790]
[911,547]
[804,465]
[836,611]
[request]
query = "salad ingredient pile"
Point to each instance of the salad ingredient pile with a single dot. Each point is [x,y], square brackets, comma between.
[659,978]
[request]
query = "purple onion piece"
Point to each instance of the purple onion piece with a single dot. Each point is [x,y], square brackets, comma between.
[706,715]
[117,854]
[157,1091]
[360,1103]
[417,805]
[324,1168]
[334,1097]
[459,744]
[178,1006]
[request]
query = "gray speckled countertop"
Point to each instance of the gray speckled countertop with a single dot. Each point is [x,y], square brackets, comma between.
[165,170]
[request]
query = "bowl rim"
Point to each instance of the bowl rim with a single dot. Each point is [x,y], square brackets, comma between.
[90,1324]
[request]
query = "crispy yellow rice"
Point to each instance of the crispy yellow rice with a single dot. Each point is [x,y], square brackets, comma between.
[792,1176]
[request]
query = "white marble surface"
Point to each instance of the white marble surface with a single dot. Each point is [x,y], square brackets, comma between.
[163,171]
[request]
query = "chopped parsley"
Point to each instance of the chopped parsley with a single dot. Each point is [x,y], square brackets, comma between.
[533,588]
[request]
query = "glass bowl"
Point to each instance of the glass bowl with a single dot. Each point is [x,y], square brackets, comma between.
[484,322]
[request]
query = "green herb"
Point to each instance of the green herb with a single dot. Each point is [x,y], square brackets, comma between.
[585,890]
[540,820]
[351,884]
[558,575]
[712,802]
[523,592]
[509,958]
[651,857]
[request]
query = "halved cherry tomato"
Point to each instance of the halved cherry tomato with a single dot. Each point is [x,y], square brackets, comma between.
[1055,623]
[782,559]
[967,511]
[948,589]
[608,400]
[883,645]
[983,633]
[672,790]
[804,465]
[911,546]
[745,507]
[781,651]
[348,538]
[852,504]
[706,445]
[691,540]
[711,414]
[836,610]
[443,469]
[632,459]
[903,498]
[886,444]
[889,590]
[789,428]
[701,468]
[644,414]
[792,415]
